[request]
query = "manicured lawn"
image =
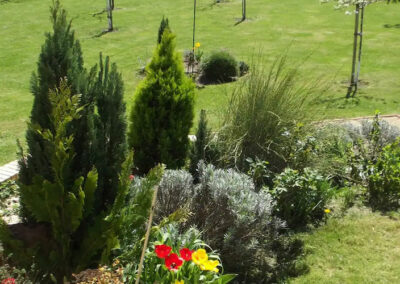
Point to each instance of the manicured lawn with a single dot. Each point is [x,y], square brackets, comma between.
[315,36]
[362,247]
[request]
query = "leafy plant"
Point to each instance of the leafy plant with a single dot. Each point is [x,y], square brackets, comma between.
[301,197]
[163,111]
[384,179]
[219,67]
[260,173]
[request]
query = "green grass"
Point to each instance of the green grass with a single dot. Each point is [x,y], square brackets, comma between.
[362,247]
[315,36]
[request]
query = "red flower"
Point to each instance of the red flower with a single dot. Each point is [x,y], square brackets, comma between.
[186,254]
[8,281]
[173,262]
[131,177]
[162,251]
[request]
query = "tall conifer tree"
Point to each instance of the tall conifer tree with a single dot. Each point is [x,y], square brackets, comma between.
[60,57]
[110,127]
[163,26]
[163,111]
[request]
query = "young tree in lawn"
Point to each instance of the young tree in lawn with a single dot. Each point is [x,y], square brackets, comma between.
[359,13]
[163,110]
[110,8]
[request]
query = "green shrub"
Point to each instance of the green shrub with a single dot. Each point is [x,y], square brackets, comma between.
[219,67]
[173,192]
[384,179]
[200,148]
[243,68]
[301,197]
[110,145]
[162,114]
[368,142]
[236,221]
[68,236]
[60,58]
[264,109]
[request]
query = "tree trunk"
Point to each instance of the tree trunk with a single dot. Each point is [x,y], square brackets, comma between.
[112,5]
[359,49]
[109,16]
[243,10]
[353,66]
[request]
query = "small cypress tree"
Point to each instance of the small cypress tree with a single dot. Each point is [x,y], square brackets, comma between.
[60,57]
[111,146]
[76,237]
[163,111]
[163,26]
[199,147]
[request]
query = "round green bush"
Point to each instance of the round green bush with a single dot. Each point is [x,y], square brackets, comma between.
[219,67]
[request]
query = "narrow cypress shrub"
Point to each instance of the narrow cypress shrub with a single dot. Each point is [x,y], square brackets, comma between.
[163,111]
[163,26]
[60,57]
[68,235]
[110,127]
[199,147]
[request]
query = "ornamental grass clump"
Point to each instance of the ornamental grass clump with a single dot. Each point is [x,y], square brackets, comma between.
[264,109]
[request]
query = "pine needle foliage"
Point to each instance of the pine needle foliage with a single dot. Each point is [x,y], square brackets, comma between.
[78,236]
[199,147]
[163,26]
[60,57]
[162,114]
[110,127]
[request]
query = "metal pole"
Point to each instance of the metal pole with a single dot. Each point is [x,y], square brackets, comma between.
[353,66]
[360,48]
[194,24]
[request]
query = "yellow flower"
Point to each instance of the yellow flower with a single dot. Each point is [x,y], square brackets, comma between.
[327,211]
[199,256]
[179,282]
[197,45]
[210,265]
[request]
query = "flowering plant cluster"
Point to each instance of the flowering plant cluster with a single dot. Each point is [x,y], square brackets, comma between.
[174,262]
[189,266]
[8,281]
[179,257]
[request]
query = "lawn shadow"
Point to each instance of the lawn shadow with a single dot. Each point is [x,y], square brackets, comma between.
[389,26]
[104,32]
